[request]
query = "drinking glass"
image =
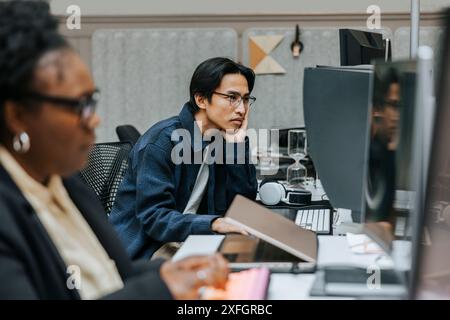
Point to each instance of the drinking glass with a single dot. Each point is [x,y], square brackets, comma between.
[296,172]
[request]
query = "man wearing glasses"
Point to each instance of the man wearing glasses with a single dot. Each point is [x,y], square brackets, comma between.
[162,200]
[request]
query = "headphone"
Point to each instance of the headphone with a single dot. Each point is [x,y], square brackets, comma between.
[272,192]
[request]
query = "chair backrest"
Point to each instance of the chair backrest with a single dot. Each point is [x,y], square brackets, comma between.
[107,163]
[128,133]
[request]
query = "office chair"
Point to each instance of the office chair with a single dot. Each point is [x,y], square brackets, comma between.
[128,133]
[107,163]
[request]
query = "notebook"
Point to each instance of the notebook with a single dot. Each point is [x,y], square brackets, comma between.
[250,284]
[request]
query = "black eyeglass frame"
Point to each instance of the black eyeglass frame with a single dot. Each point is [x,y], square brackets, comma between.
[230,96]
[84,106]
[396,104]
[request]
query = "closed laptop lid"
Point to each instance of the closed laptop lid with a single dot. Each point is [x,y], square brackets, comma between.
[273,228]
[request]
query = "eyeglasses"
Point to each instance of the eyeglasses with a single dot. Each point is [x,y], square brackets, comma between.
[85,106]
[393,103]
[236,99]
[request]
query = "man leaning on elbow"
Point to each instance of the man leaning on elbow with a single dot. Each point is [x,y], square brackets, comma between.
[162,199]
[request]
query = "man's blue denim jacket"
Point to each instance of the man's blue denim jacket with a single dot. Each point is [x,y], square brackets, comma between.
[155,190]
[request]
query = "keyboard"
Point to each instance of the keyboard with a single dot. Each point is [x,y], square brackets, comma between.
[315,219]
[251,284]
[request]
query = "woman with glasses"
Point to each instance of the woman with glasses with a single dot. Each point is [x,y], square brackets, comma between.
[170,192]
[55,240]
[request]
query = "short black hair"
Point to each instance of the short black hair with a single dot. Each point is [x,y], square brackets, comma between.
[27,32]
[208,75]
[382,84]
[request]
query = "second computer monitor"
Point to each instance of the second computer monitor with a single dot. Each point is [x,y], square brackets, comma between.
[361,47]
[335,106]
[393,167]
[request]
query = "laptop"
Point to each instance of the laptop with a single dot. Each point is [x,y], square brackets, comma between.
[275,242]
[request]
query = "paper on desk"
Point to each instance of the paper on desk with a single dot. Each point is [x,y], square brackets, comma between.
[362,244]
[199,245]
[335,251]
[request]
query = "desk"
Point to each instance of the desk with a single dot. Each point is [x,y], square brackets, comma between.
[333,250]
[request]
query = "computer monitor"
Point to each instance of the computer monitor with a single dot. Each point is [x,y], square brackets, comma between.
[385,158]
[391,180]
[398,158]
[432,279]
[361,47]
[335,107]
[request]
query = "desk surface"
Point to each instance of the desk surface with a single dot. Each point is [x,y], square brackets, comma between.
[333,250]
[297,286]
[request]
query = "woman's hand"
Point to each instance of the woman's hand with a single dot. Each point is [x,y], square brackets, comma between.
[184,278]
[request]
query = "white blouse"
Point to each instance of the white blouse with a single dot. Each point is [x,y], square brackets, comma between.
[89,268]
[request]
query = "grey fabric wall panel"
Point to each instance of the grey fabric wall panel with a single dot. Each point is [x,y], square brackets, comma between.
[280,97]
[428,36]
[144,74]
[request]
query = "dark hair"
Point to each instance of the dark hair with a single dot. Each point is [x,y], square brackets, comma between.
[27,32]
[208,75]
[382,86]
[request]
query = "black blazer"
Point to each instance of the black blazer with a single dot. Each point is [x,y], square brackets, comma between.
[32,268]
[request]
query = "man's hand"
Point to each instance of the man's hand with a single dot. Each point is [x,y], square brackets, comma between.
[238,135]
[221,226]
[184,278]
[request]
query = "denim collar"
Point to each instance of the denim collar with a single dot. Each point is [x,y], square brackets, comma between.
[188,122]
